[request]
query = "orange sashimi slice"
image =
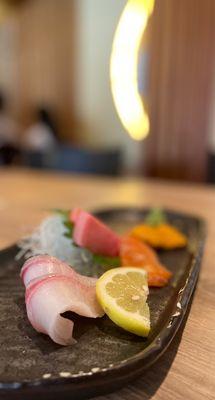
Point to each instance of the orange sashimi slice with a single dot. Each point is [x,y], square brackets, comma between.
[135,253]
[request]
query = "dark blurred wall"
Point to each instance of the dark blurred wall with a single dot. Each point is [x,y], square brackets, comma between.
[182,50]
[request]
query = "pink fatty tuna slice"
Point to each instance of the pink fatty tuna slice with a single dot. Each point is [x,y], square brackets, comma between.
[39,266]
[92,234]
[49,297]
[74,214]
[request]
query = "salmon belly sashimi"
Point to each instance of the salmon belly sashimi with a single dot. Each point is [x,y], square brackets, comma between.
[52,288]
[92,234]
[135,253]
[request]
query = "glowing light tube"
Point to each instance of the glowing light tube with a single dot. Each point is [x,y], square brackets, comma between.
[124,67]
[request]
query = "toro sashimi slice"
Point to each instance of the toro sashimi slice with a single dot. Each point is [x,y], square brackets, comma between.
[74,214]
[138,254]
[92,234]
[48,298]
[39,266]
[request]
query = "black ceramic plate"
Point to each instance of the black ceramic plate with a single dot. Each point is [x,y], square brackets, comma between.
[105,357]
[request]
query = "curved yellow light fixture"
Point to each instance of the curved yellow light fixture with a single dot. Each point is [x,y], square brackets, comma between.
[124,67]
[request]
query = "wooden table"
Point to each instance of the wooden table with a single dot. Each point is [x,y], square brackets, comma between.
[187,370]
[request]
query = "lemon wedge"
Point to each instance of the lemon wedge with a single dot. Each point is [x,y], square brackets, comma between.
[122,293]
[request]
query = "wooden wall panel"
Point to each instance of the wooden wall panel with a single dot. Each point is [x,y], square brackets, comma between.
[44,60]
[182,51]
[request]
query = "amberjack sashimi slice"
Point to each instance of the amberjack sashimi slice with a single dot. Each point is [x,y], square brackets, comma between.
[48,298]
[39,266]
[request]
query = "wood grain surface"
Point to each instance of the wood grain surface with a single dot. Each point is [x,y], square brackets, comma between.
[182,47]
[187,369]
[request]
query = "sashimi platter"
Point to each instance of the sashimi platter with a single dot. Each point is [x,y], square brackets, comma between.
[99,297]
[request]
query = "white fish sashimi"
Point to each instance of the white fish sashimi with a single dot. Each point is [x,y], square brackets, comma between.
[52,288]
[51,296]
[39,266]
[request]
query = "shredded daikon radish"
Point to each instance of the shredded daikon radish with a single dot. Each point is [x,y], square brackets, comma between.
[49,238]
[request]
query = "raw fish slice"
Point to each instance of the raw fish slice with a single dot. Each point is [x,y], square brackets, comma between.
[74,214]
[92,234]
[39,266]
[135,253]
[48,298]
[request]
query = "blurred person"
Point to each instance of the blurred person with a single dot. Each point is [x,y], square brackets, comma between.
[42,135]
[9,134]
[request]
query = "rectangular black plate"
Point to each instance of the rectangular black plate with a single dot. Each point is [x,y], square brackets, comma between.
[105,357]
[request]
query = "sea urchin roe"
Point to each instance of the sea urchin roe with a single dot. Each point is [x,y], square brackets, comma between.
[162,235]
[171,237]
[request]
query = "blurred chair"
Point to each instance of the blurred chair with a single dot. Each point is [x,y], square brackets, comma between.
[70,159]
[211,168]
[9,154]
[33,159]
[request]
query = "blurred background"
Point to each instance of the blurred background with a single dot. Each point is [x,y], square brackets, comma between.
[57,111]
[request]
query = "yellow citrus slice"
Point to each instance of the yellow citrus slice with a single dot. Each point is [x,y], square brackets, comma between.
[122,293]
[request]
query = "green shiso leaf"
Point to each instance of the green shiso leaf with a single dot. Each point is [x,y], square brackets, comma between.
[67,223]
[106,261]
[155,217]
[69,227]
